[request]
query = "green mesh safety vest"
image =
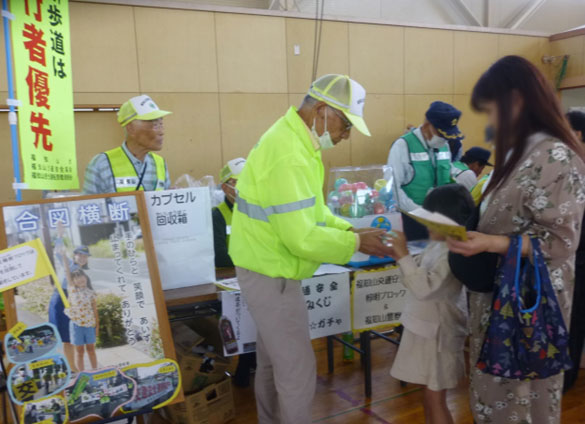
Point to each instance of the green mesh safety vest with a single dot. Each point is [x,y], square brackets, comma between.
[227,215]
[426,175]
[125,176]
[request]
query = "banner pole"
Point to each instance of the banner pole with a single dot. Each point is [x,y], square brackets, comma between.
[12,119]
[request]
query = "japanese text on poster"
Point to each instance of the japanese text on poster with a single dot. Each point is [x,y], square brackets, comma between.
[42,69]
[377,298]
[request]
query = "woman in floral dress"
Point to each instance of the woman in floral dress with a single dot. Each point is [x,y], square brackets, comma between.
[537,189]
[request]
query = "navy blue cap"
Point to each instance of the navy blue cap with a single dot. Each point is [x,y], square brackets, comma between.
[477,154]
[445,118]
[82,250]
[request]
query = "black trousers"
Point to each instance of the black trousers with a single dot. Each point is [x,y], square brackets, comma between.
[577,330]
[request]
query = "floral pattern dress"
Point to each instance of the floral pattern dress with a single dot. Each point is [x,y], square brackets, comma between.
[543,197]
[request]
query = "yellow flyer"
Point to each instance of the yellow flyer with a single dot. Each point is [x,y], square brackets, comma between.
[26,263]
[42,73]
[439,223]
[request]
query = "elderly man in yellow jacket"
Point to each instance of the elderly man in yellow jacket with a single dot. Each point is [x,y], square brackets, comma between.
[281,233]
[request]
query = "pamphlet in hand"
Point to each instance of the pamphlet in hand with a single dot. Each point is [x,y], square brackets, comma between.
[439,223]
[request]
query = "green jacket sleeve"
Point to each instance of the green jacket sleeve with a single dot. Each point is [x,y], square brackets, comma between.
[291,196]
[336,222]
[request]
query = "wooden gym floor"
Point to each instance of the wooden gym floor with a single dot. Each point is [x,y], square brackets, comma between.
[340,396]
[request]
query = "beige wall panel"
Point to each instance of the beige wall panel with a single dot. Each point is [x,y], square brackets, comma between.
[245,117]
[376,57]
[95,132]
[472,124]
[428,61]
[106,98]
[384,115]
[103,48]
[531,48]
[333,56]
[415,107]
[191,141]
[6,171]
[474,53]
[575,48]
[251,53]
[192,134]
[176,50]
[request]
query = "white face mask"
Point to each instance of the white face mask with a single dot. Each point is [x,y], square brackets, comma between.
[436,142]
[324,139]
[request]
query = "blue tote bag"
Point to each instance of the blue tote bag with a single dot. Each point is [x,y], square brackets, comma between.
[526,337]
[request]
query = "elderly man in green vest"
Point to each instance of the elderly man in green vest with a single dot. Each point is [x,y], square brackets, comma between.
[421,161]
[281,233]
[222,214]
[133,165]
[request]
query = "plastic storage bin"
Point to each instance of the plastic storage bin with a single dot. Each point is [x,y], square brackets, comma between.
[364,196]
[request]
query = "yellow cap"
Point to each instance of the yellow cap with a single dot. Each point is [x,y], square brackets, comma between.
[142,108]
[232,169]
[344,94]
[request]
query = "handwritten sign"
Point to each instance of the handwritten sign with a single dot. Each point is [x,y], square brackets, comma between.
[377,298]
[182,232]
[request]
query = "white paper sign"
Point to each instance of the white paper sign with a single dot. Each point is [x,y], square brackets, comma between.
[328,305]
[327,299]
[17,265]
[182,233]
[378,298]
[235,309]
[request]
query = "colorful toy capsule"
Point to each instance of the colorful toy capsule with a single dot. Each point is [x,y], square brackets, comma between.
[380,184]
[339,182]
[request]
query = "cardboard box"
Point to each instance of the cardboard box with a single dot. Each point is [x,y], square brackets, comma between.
[212,405]
[198,371]
[184,337]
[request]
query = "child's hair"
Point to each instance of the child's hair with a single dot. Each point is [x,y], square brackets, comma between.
[577,120]
[79,271]
[452,200]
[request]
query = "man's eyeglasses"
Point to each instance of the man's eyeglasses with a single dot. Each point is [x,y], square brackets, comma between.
[348,125]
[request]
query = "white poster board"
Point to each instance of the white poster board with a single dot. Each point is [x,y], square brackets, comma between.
[327,299]
[182,233]
[328,305]
[377,298]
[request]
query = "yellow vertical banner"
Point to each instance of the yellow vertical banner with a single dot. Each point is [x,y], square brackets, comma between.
[42,73]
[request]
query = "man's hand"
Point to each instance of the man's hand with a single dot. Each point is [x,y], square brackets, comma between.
[371,243]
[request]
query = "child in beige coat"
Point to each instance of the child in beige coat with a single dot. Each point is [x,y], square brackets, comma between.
[434,317]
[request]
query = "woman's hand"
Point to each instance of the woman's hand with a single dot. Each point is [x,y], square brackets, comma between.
[476,243]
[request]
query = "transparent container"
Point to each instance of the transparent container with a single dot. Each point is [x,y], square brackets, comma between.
[365,197]
[362,191]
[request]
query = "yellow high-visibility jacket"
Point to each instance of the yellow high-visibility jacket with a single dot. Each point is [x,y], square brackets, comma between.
[281,226]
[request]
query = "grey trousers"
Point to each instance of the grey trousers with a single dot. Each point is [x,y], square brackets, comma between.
[286,371]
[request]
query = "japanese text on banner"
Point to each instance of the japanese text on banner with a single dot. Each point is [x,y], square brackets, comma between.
[42,69]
